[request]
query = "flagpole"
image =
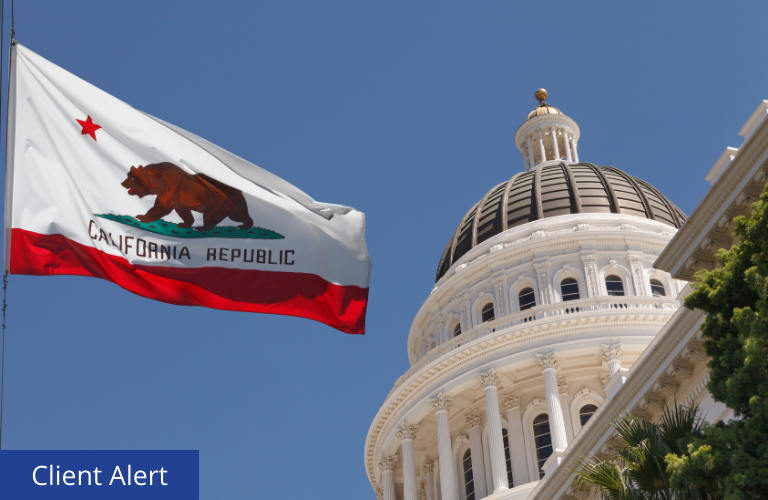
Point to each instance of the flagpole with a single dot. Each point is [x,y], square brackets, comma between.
[5,271]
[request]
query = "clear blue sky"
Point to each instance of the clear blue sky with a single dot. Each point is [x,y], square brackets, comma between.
[404,110]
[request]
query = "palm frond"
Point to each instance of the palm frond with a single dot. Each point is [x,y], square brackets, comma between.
[633,430]
[609,477]
[639,470]
[678,422]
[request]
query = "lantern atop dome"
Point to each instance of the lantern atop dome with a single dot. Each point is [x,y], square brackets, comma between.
[547,135]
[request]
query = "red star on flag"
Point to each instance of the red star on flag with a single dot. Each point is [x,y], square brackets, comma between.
[89,127]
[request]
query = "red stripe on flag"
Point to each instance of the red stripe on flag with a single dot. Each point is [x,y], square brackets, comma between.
[291,294]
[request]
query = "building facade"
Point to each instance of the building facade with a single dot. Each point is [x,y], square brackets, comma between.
[557,308]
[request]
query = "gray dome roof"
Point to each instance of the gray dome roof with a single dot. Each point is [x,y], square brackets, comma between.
[553,190]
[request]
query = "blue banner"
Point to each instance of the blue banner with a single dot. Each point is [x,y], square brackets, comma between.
[103,475]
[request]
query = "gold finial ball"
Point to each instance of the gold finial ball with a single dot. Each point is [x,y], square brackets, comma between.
[541,95]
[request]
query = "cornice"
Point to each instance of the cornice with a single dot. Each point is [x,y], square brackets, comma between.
[713,205]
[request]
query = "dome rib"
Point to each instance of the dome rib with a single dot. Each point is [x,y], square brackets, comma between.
[640,192]
[505,200]
[537,194]
[551,190]
[673,210]
[574,188]
[478,212]
[614,199]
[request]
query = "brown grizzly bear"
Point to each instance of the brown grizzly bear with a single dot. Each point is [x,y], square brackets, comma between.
[177,190]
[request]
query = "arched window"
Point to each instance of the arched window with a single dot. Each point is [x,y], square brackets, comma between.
[543,440]
[457,329]
[526,298]
[614,285]
[657,289]
[508,456]
[569,289]
[469,480]
[586,413]
[487,314]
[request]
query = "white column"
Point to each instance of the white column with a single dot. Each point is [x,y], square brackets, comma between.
[429,477]
[441,404]
[516,439]
[487,462]
[562,386]
[410,487]
[436,480]
[489,382]
[525,159]
[531,161]
[575,149]
[387,465]
[567,144]
[542,150]
[476,450]
[612,355]
[548,364]
[555,147]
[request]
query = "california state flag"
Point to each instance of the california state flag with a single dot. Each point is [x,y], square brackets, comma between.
[97,188]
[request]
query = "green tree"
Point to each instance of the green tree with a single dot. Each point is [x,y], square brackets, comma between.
[730,460]
[639,470]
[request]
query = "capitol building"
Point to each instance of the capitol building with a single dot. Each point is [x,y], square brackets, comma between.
[557,308]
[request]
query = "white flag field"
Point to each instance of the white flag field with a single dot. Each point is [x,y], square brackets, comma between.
[97,188]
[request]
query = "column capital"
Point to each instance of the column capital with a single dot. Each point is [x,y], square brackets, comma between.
[441,402]
[387,462]
[472,419]
[612,352]
[407,432]
[562,386]
[498,280]
[589,258]
[512,400]
[489,379]
[547,361]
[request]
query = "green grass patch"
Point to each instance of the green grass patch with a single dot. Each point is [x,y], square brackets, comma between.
[171,229]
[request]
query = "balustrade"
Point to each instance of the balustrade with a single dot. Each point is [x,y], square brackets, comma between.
[542,313]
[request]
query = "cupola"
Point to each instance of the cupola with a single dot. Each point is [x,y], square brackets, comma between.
[547,135]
